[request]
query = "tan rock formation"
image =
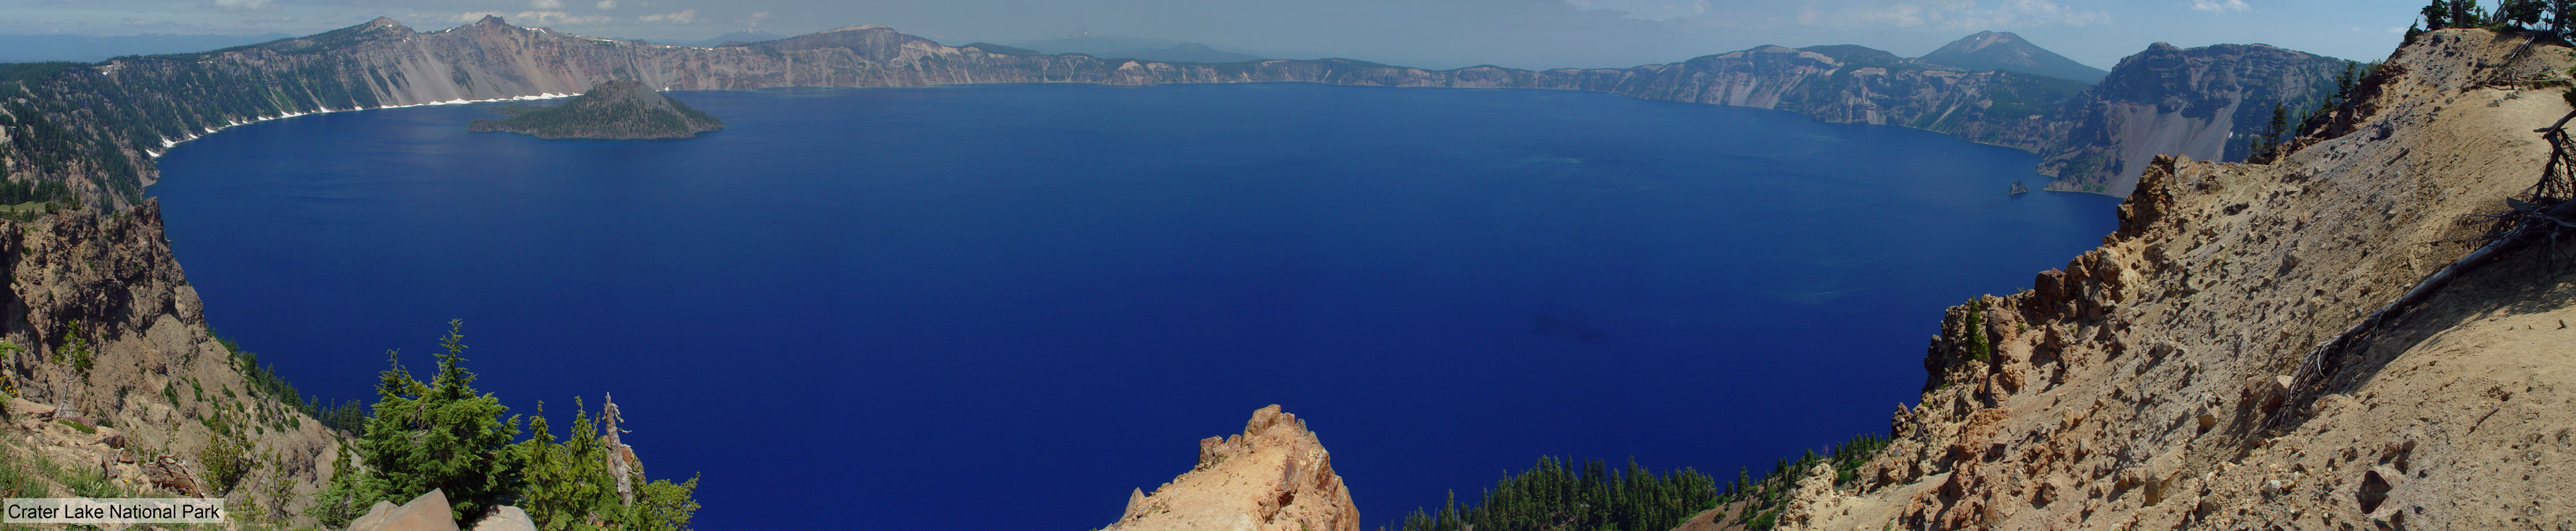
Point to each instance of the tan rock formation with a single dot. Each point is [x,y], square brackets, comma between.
[2155,383]
[506,518]
[1275,476]
[101,291]
[429,512]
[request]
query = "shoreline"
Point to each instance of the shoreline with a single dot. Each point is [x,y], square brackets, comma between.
[167,143]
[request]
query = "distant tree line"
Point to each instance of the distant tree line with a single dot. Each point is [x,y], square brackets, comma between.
[263,381]
[1564,494]
[1556,494]
[1759,501]
[2555,16]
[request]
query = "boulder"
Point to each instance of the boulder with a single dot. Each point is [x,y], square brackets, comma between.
[429,512]
[506,518]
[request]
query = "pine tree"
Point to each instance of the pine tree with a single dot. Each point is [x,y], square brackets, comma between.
[2560,15]
[2437,16]
[567,484]
[2521,13]
[2280,123]
[440,435]
[664,506]
[348,494]
[2344,82]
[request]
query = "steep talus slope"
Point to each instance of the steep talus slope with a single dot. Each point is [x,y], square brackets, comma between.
[2193,102]
[102,328]
[1274,476]
[2149,384]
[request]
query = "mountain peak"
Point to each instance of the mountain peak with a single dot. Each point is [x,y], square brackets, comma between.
[2004,50]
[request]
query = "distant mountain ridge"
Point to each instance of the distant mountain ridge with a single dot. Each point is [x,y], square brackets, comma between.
[127,110]
[1989,50]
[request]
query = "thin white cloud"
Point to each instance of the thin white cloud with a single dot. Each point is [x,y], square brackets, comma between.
[607,4]
[684,16]
[1656,10]
[1952,14]
[246,5]
[535,18]
[2220,6]
[545,4]
[549,18]
[757,16]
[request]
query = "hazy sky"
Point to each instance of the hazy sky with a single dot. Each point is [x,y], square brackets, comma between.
[1430,33]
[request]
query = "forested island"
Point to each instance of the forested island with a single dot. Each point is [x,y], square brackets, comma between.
[613,110]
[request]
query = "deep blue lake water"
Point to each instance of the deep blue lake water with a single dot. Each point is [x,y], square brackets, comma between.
[1006,306]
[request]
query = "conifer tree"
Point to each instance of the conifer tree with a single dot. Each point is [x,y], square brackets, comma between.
[2437,16]
[348,494]
[2559,16]
[443,434]
[440,435]
[2521,13]
[568,485]
[2280,123]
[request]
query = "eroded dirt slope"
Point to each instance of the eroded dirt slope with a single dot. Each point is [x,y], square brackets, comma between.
[2144,386]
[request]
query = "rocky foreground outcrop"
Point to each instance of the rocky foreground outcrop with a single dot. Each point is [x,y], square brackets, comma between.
[105,346]
[1275,476]
[430,512]
[2170,379]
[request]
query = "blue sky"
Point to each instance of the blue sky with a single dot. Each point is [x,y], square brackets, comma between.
[1432,33]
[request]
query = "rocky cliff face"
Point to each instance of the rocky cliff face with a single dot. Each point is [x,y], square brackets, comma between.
[2171,380]
[102,329]
[2194,102]
[1274,476]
